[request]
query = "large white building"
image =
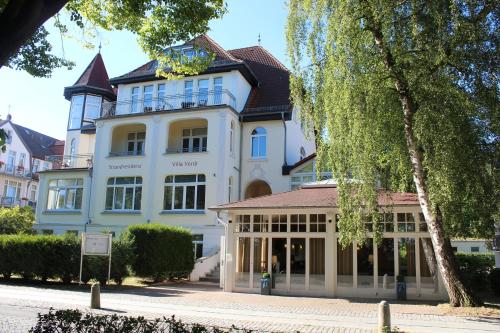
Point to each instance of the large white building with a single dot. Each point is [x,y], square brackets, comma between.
[143,149]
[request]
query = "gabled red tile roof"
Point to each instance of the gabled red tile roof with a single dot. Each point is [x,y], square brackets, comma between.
[313,197]
[94,78]
[273,91]
[268,76]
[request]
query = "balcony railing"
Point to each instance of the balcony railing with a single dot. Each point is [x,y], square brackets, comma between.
[13,170]
[70,161]
[168,103]
[185,150]
[6,201]
[126,153]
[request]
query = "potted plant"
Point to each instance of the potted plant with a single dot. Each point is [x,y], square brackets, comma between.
[401,287]
[265,284]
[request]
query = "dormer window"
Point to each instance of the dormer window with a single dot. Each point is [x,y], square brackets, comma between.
[189,53]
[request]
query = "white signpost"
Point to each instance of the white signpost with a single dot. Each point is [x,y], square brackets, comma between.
[96,245]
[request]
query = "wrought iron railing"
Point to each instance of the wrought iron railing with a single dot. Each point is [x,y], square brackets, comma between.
[70,161]
[6,201]
[14,170]
[126,153]
[168,103]
[185,150]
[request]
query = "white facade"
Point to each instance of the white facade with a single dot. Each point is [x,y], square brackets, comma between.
[18,186]
[157,134]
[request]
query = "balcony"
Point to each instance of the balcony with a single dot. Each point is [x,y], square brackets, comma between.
[6,201]
[169,103]
[187,136]
[70,161]
[16,171]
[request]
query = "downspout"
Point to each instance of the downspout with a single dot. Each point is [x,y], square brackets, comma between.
[284,139]
[91,173]
[240,157]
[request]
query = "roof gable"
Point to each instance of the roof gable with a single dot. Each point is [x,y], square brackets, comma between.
[40,145]
[94,78]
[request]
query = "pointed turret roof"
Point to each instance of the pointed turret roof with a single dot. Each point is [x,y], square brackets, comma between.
[93,80]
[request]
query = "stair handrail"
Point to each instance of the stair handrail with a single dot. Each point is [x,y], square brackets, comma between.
[210,254]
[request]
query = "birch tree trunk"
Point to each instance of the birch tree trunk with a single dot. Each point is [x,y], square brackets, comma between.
[458,293]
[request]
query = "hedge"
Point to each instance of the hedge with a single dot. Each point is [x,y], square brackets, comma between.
[475,269]
[74,321]
[58,257]
[161,251]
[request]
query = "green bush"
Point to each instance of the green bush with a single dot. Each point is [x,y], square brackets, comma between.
[495,281]
[160,251]
[58,257]
[16,220]
[74,321]
[475,269]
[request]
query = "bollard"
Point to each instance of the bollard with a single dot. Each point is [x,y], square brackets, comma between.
[384,317]
[95,296]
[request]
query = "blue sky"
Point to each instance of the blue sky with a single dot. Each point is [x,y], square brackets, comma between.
[39,103]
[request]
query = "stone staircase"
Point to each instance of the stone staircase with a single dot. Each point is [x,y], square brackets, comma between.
[213,276]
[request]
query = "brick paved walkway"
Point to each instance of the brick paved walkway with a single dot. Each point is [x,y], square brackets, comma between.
[19,305]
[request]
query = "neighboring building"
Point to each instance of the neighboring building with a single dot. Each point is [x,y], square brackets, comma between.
[24,157]
[470,246]
[143,149]
[294,236]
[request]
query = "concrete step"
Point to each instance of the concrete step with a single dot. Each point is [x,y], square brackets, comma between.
[215,280]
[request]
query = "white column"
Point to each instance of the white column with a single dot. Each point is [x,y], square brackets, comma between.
[220,153]
[152,155]
[308,264]
[354,264]
[230,254]
[251,260]
[417,264]
[288,259]
[331,262]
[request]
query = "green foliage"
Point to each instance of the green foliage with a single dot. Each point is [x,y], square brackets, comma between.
[58,257]
[475,269]
[35,58]
[74,321]
[157,24]
[495,281]
[448,53]
[16,220]
[161,251]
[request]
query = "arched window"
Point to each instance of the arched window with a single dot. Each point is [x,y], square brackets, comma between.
[231,137]
[259,143]
[72,147]
[72,153]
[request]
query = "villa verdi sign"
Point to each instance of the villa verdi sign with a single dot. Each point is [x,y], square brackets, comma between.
[175,164]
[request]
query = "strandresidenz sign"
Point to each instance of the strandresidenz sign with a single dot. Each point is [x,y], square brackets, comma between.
[177,164]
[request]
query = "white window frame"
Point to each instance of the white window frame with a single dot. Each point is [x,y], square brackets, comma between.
[229,189]
[33,191]
[147,97]
[188,91]
[16,186]
[135,142]
[170,181]
[76,112]
[135,93]
[58,187]
[160,96]
[231,138]
[218,81]
[94,102]
[11,161]
[203,138]
[136,187]
[203,92]
[260,139]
